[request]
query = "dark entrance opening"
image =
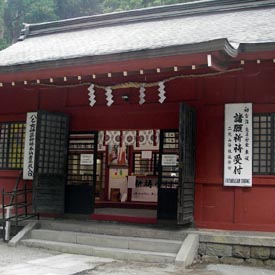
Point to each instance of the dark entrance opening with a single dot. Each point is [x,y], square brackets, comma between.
[168,174]
[81,175]
[163,182]
[177,169]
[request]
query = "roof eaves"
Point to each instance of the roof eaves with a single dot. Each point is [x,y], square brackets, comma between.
[221,45]
[148,14]
[257,47]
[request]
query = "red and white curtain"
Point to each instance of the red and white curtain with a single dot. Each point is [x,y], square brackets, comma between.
[140,139]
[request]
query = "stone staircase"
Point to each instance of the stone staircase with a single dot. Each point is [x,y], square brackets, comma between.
[117,241]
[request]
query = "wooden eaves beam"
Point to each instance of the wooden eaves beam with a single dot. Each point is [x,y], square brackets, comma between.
[216,64]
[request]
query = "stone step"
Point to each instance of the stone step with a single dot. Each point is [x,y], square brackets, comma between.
[126,230]
[106,252]
[99,240]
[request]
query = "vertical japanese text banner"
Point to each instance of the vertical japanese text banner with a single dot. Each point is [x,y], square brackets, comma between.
[29,151]
[238,145]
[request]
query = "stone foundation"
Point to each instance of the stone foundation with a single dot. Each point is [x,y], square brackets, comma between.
[233,248]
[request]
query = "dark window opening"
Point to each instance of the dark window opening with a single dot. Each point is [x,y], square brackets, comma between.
[12,139]
[263,144]
[52,142]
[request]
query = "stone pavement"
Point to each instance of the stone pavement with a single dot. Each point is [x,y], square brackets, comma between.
[68,264]
[32,261]
[135,268]
[63,264]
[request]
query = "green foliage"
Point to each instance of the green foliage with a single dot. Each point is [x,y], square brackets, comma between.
[40,10]
[1,20]
[14,12]
[18,11]
[75,8]
[119,5]
[3,44]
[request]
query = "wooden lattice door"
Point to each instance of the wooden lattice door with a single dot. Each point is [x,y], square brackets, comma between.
[187,131]
[50,162]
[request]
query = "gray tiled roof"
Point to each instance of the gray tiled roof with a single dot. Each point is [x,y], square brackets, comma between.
[255,25]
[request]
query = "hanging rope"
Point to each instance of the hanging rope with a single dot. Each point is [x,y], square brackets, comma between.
[139,84]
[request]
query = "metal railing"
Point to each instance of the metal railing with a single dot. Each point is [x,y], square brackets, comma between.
[18,209]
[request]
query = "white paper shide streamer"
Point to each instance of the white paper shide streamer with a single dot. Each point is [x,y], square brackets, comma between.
[91,94]
[162,92]
[109,96]
[142,95]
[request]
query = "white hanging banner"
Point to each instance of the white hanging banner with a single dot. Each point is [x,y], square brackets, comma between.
[162,92]
[112,138]
[148,140]
[129,137]
[109,96]
[238,145]
[29,151]
[91,94]
[142,95]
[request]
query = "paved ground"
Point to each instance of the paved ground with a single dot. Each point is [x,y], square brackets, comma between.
[21,254]
[32,261]
[124,268]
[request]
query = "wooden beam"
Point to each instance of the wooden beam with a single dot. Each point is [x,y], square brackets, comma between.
[216,64]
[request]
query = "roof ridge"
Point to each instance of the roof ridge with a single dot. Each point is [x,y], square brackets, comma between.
[146,14]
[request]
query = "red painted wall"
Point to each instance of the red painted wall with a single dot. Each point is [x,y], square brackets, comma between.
[215,206]
[222,207]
